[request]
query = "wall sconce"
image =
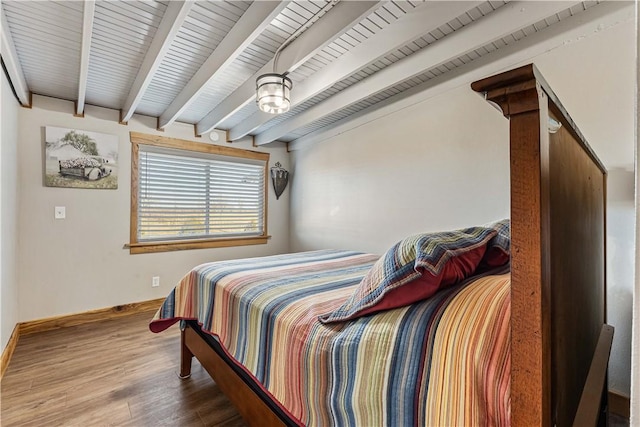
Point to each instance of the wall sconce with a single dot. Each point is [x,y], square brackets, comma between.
[279,178]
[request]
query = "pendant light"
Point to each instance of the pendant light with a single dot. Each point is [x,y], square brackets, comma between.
[273,93]
[273,90]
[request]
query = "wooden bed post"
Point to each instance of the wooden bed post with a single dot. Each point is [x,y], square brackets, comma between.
[185,356]
[530,351]
[524,104]
[557,238]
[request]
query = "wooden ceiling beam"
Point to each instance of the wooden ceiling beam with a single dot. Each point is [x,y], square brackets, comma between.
[336,21]
[587,22]
[503,22]
[174,17]
[87,31]
[12,64]
[411,26]
[250,25]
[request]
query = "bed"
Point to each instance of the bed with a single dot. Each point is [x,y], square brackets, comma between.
[551,343]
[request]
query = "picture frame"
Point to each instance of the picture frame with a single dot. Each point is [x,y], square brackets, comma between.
[80,159]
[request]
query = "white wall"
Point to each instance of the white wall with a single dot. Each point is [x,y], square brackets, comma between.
[8,212]
[443,163]
[620,273]
[405,173]
[595,78]
[79,264]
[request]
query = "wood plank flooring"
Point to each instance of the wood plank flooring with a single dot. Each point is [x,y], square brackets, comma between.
[114,372]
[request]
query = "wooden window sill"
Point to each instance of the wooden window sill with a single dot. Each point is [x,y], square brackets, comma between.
[179,245]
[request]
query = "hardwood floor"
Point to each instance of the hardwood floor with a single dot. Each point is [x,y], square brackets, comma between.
[113,372]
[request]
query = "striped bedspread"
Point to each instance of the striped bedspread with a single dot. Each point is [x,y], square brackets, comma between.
[441,362]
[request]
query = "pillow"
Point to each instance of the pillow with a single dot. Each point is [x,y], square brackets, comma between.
[414,269]
[499,247]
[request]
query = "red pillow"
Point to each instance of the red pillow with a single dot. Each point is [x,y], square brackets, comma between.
[456,269]
[495,257]
[414,269]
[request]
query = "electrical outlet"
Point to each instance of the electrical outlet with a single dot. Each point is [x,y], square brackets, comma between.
[60,212]
[155,281]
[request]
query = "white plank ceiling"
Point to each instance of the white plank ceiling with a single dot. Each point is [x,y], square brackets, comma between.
[197,61]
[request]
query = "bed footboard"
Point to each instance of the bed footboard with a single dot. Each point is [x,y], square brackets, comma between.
[558,292]
[250,406]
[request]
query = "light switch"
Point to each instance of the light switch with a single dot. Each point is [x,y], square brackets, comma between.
[60,212]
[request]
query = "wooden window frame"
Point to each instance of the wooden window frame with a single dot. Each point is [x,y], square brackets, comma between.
[136,247]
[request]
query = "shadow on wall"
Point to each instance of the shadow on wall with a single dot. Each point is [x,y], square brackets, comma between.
[620,265]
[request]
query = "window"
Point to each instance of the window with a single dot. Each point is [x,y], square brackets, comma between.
[190,195]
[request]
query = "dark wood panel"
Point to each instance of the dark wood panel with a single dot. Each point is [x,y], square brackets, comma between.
[577,267]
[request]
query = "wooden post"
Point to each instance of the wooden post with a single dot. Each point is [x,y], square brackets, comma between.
[185,356]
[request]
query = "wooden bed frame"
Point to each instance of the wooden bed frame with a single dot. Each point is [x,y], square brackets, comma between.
[560,343]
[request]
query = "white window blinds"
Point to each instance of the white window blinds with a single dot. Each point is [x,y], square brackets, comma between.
[190,195]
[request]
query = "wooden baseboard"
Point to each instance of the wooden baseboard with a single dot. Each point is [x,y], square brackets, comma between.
[65,321]
[619,404]
[57,322]
[8,350]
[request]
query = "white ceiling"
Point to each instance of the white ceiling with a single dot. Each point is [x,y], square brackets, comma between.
[197,61]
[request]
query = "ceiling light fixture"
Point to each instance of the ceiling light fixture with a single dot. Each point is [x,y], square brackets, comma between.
[273,93]
[273,89]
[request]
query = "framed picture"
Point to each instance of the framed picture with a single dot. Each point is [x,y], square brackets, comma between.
[80,159]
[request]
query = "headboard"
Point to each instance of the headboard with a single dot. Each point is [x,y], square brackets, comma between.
[558,296]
